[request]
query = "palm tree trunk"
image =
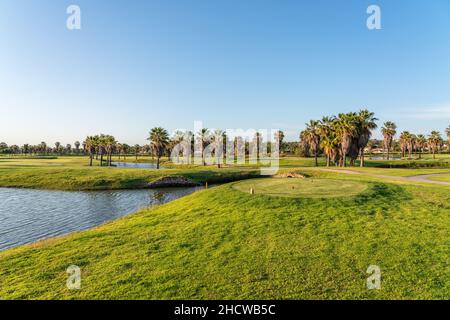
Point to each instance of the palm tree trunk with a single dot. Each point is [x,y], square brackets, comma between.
[315,158]
[362,158]
[157,162]
[90,160]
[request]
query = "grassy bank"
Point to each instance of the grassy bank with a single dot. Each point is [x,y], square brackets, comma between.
[72,173]
[225,243]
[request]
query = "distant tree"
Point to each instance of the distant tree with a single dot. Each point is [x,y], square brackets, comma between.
[365,123]
[3,147]
[137,149]
[389,131]
[90,147]
[159,139]
[43,147]
[447,131]
[77,147]
[218,141]
[421,142]
[433,142]
[57,146]
[311,136]
[204,138]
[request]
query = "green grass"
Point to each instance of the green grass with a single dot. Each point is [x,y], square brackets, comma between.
[443,177]
[295,238]
[72,173]
[222,243]
[304,188]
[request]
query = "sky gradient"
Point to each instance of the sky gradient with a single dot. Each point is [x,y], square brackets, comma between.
[231,64]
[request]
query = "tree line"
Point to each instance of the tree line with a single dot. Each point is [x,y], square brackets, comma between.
[340,139]
[348,136]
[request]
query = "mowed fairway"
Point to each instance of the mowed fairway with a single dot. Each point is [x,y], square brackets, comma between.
[306,188]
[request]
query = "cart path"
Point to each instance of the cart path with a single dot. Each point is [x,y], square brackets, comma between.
[423,178]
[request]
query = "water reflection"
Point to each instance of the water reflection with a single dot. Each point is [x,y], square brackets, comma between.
[135,165]
[29,215]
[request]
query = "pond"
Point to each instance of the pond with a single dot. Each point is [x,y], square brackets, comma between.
[136,165]
[384,158]
[29,215]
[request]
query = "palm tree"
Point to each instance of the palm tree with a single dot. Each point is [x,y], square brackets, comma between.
[447,131]
[159,139]
[218,140]
[388,130]
[329,141]
[90,145]
[57,146]
[433,142]
[420,142]
[312,137]
[43,147]
[77,146]
[365,125]
[137,148]
[279,136]
[109,145]
[404,139]
[204,139]
[346,129]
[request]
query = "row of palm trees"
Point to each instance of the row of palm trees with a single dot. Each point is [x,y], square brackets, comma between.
[413,143]
[417,143]
[339,138]
[348,135]
[41,148]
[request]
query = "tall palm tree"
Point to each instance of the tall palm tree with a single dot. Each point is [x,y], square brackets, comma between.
[91,145]
[433,142]
[312,137]
[389,131]
[137,149]
[366,122]
[77,146]
[204,138]
[279,136]
[101,147]
[109,145]
[346,130]
[57,146]
[218,140]
[447,131]
[43,147]
[421,141]
[329,141]
[404,139]
[159,139]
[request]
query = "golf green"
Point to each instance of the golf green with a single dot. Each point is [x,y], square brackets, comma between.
[305,188]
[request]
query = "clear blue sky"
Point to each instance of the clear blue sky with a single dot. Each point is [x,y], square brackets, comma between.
[230,63]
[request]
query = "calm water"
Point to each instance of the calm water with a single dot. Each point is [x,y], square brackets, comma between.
[136,165]
[30,215]
[381,158]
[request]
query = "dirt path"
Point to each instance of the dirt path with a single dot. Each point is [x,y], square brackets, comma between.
[423,178]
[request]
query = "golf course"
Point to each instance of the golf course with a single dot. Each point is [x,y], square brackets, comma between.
[306,233]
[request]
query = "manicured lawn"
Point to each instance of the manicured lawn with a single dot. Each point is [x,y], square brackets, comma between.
[224,243]
[303,188]
[443,177]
